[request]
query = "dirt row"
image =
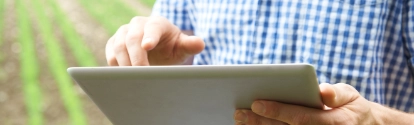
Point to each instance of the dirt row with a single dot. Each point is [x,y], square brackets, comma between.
[11,101]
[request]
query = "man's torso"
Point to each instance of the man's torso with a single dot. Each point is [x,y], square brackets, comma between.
[359,42]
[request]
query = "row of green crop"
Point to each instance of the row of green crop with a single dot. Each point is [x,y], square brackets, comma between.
[57,65]
[110,13]
[29,66]
[79,50]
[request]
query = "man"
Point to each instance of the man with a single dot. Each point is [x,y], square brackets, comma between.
[367,44]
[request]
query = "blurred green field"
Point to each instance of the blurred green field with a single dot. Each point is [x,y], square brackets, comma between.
[39,40]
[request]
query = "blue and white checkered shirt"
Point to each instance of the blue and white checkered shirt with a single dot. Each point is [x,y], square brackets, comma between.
[368,44]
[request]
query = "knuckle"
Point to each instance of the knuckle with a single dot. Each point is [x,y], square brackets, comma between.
[123,27]
[138,19]
[154,23]
[258,122]
[119,46]
[159,22]
[161,18]
[273,112]
[131,39]
[176,28]
[253,118]
[346,87]
[109,42]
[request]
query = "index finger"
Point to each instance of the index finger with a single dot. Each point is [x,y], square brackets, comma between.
[153,30]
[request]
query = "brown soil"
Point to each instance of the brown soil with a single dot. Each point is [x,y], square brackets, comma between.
[11,102]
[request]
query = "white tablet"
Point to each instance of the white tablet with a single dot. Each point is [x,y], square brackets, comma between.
[193,95]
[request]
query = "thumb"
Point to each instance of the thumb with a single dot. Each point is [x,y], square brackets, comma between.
[337,95]
[190,44]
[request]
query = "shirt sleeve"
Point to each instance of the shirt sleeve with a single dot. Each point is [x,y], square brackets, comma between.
[408,30]
[176,11]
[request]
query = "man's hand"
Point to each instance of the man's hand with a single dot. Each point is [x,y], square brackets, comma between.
[151,41]
[344,106]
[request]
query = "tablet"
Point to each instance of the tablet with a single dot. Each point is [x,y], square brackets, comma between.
[193,95]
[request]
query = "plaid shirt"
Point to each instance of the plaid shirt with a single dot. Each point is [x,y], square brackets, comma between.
[368,44]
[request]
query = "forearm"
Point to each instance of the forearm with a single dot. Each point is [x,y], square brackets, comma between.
[388,116]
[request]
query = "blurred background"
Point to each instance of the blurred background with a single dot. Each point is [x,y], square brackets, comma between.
[39,40]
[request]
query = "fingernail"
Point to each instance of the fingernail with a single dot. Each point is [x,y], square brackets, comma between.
[258,107]
[240,116]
